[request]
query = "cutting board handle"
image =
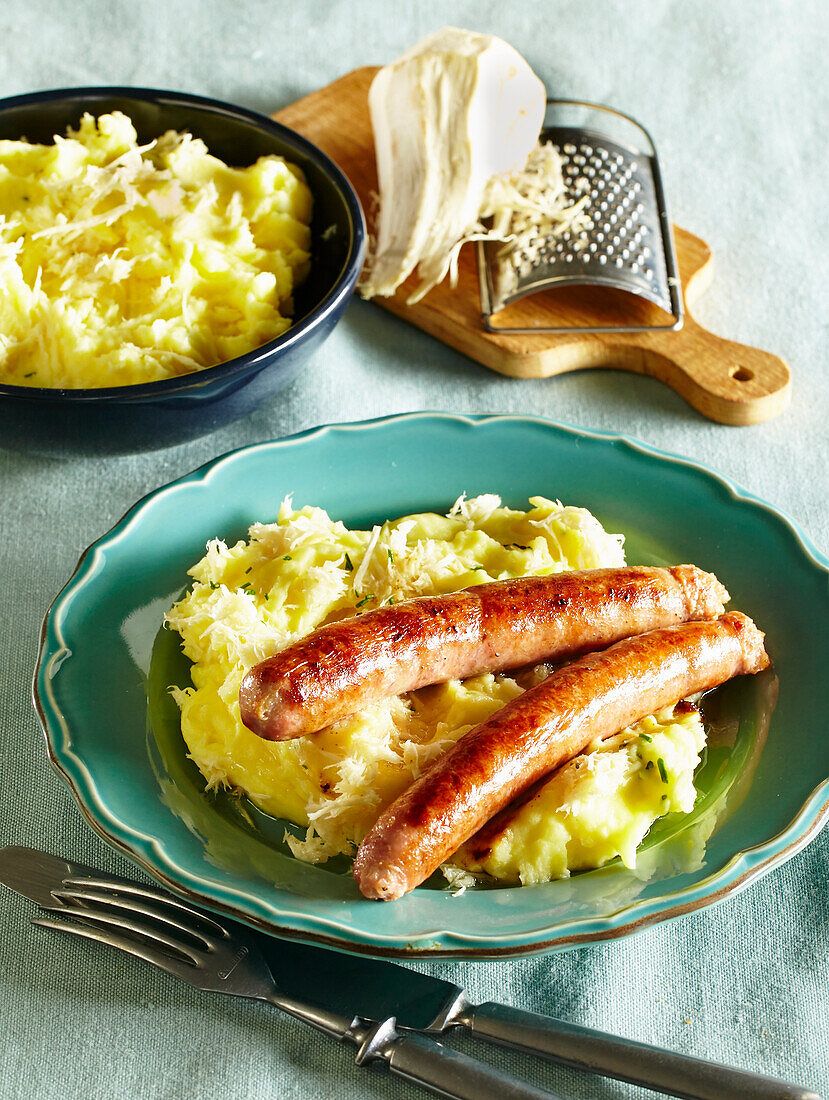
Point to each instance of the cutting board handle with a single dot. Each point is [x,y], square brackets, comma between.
[726,381]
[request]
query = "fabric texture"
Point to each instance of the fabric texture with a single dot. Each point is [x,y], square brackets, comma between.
[734,97]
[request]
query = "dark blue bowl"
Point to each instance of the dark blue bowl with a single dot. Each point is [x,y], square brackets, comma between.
[189,404]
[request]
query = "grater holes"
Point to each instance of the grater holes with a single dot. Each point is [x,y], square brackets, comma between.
[610,241]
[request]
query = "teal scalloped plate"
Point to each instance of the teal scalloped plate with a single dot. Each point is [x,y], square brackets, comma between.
[112,730]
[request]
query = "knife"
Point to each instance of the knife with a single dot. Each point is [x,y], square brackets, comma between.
[377,990]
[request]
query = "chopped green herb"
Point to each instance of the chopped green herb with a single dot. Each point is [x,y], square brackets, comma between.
[649,765]
[391,600]
[31,374]
[391,555]
[646,737]
[475,568]
[287,558]
[248,570]
[660,763]
[664,798]
[348,563]
[365,599]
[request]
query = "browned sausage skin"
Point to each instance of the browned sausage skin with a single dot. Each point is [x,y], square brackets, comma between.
[594,697]
[345,666]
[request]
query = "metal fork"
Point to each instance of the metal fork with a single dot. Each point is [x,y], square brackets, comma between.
[223,958]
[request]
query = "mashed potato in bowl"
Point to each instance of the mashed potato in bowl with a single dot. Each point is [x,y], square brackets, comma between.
[250,600]
[122,264]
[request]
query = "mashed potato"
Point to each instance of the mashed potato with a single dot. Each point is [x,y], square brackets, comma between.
[250,600]
[599,805]
[122,263]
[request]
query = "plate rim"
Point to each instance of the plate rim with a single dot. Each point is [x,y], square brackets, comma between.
[441,942]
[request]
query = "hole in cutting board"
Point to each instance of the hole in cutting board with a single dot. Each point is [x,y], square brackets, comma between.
[742,374]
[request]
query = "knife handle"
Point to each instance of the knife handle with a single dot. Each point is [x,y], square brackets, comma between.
[433,1066]
[624,1059]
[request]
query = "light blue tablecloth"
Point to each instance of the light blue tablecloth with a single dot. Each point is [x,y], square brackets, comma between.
[736,97]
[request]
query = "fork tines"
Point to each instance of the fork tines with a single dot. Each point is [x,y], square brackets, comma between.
[140,920]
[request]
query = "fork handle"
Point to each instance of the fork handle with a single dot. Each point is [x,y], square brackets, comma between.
[436,1067]
[624,1059]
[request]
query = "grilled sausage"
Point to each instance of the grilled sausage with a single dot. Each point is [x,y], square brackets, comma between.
[594,697]
[345,666]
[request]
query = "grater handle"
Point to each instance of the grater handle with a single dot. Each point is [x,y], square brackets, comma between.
[725,381]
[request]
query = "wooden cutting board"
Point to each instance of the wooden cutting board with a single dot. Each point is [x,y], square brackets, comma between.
[728,382]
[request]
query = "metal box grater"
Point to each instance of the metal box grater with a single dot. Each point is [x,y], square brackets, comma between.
[626,242]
